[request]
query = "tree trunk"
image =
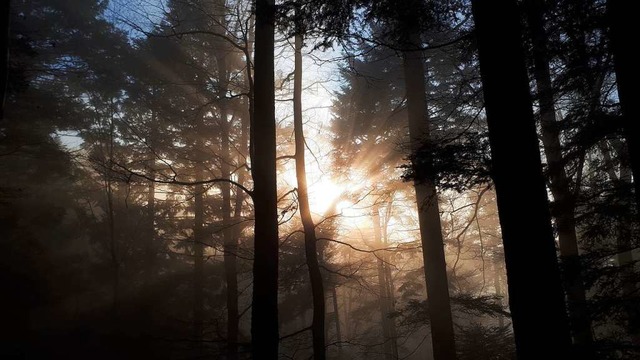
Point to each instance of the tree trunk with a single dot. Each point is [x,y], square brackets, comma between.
[535,290]
[564,204]
[311,252]
[389,341]
[264,310]
[113,241]
[336,314]
[435,266]
[389,286]
[625,256]
[621,27]
[497,284]
[198,262]
[230,240]
[149,248]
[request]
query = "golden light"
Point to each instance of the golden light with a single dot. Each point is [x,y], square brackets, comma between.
[322,191]
[322,195]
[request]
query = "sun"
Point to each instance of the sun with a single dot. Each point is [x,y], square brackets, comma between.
[323,193]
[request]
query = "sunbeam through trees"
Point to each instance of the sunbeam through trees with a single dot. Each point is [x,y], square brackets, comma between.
[330,179]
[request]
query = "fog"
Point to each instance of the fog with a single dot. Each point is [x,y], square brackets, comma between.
[231,179]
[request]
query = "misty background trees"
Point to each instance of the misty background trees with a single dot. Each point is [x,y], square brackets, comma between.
[301,179]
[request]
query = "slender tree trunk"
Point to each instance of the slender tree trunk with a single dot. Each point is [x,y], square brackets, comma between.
[564,205]
[264,310]
[249,82]
[622,24]
[535,290]
[113,241]
[310,240]
[198,261]
[149,248]
[390,349]
[625,255]
[497,284]
[623,240]
[230,245]
[435,266]
[229,238]
[389,286]
[336,313]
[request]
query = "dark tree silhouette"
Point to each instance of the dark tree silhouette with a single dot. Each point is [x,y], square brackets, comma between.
[563,208]
[621,26]
[535,291]
[264,311]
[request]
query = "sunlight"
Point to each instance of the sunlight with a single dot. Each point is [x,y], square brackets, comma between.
[322,194]
[322,191]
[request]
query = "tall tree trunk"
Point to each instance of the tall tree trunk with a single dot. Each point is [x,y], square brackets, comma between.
[113,241]
[336,314]
[149,248]
[564,204]
[229,238]
[625,254]
[310,240]
[389,341]
[621,27]
[264,310]
[535,290]
[230,243]
[198,261]
[497,284]
[389,286]
[435,266]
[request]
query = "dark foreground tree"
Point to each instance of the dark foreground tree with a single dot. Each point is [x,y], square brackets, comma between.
[264,311]
[535,291]
[622,25]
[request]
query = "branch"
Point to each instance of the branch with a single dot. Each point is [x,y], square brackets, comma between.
[173,181]
[295,333]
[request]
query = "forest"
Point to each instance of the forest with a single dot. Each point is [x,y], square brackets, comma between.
[319,179]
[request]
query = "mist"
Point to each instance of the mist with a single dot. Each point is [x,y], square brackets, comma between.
[337,179]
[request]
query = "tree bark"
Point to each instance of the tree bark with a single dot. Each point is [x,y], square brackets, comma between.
[535,291]
[435,266]
[264,310]
[310,240]
[564,204]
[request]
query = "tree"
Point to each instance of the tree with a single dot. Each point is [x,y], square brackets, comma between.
[563,208]
[310,239]
[528,238]
[435,266]
[264,311]
[627,74]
